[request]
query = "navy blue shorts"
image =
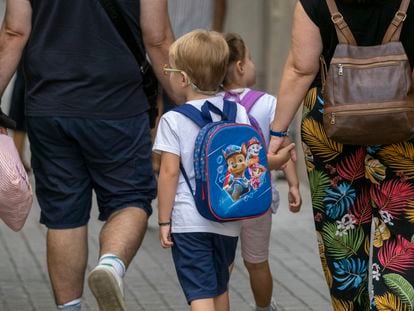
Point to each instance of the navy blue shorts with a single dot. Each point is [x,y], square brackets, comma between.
[202,262]
[73,156]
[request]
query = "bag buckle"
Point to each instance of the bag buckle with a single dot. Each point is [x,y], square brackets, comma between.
[399,17]
[338,20]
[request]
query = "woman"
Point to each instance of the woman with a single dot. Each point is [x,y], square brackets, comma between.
[351,185]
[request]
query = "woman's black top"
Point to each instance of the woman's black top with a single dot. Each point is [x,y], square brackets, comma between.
[368,24]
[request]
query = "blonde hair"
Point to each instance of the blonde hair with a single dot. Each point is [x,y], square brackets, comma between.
[237,52]
[203,56]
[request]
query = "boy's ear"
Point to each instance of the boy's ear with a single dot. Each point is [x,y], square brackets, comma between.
[184,79]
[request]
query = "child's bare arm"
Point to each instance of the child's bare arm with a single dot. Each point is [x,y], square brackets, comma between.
[278,160]
[167,187]
[294,197]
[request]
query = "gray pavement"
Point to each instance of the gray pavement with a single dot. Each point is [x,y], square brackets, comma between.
[151,283]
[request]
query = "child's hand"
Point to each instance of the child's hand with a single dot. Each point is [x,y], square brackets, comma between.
[295,199]
[165,236]
[284,153]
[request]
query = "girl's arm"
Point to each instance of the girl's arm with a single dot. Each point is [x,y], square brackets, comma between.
[167,188]
[294,197]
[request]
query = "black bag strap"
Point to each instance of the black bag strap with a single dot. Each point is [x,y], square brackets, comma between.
[6,122]
[343,32]
[394,29]
[115,15]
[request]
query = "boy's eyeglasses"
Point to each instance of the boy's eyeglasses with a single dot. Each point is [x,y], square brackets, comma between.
[167,69]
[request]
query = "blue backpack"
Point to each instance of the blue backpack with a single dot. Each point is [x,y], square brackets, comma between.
[230,164]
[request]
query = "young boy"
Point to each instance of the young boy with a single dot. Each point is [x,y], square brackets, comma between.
[202,249]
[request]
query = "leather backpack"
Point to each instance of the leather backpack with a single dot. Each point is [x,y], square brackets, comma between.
[368,89]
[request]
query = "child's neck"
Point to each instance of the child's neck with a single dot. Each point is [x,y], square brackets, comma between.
[235,85]
[195,96]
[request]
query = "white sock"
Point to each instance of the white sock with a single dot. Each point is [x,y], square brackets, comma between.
[269,308]
[74,305]
[113,261]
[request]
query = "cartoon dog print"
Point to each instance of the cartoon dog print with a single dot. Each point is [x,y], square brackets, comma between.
[236,183]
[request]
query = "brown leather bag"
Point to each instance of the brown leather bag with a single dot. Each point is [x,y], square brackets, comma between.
[368,89]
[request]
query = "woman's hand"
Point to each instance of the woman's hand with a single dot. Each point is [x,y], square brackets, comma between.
[3,130]
[277,142]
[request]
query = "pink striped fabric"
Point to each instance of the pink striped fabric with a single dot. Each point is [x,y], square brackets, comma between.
[16,195]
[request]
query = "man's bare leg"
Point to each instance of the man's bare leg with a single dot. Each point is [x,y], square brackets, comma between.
[123,233]
[67,254]
[120,239]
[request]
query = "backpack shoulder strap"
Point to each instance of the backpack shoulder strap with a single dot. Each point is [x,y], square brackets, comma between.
[342,29]
[192,113]
[394,29]
[250,99]
[230,110]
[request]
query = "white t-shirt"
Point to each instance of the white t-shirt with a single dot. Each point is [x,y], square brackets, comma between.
[264,112]
[187,15]
[177,134]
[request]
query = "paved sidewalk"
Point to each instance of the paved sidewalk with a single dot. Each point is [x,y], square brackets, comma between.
[151,283]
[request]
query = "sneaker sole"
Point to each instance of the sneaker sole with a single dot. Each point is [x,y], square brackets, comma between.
[106,291]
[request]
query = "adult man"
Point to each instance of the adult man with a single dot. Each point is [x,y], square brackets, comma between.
[89,129]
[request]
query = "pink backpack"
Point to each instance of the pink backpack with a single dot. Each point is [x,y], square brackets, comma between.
[16,195]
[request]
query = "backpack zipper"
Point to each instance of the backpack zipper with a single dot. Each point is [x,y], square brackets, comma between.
[333,115]
[362,66]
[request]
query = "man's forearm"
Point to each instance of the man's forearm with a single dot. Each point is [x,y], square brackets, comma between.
[14,33]
[158,37]
[220,10]
[11,48]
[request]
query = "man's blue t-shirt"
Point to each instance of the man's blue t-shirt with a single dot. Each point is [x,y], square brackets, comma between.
[76,64]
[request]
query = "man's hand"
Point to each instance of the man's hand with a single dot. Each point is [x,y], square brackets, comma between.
[165,236]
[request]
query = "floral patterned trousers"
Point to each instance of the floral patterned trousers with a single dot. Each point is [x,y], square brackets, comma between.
[351,186]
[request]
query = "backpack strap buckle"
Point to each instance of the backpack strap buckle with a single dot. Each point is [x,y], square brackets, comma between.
[338,20]
[399,17]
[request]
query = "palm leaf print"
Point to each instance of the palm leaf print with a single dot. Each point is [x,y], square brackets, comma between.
[338,200]
[392,196]
[367,245]
[350,273]
[308,157]
[389,302]
[374,170]
[341,246]
[399,157]
[310,98]
[352,167]
[362,209]
[342,305]
[315,137]
[381,233]
[324,262]
[318,182]
[409,211]
[401,287]
[397,255]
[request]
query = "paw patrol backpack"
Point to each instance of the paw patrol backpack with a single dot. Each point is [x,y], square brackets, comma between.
[230,164]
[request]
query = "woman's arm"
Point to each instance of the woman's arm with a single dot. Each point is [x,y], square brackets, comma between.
[300,70]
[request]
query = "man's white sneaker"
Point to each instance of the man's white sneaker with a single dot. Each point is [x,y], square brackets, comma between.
[107,288]
[273,305]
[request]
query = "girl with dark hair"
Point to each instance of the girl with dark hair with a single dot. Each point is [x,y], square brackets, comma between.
[352,186]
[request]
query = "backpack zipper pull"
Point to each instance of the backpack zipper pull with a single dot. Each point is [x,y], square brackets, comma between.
[340,70]
[333,118]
